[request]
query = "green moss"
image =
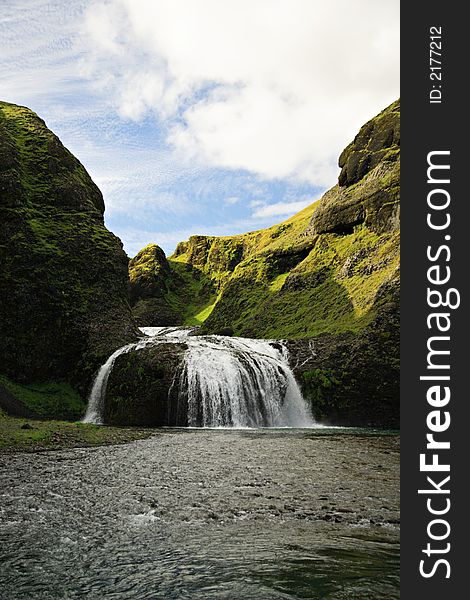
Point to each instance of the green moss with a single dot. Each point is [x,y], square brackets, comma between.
[202,315]
[150,261]
[52,400]
[333,289]
[35,435]
[43,166]
[61,270]
[318,386]
[192,293]
[278,282]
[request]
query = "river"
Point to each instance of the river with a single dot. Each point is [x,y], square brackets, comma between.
[205,514]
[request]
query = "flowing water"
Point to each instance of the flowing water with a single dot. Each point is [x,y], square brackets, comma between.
[223,382]
[203,514]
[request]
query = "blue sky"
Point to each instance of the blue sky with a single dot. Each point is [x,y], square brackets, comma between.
[201,116]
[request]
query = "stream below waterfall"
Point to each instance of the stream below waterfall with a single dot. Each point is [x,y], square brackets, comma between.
[203,514]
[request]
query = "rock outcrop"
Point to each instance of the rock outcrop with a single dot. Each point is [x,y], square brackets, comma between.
[151,283]
[63,275]
[368,189]
[139,390]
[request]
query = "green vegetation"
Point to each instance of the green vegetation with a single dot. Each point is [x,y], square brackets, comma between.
[168,292]
[284,285]
[325,270]
[63,275]
[35,435]
[192,294]
[53,400]
[318,385]
[333,289]
[44,169]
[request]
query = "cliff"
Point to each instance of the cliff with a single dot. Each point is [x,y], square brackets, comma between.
[63,275]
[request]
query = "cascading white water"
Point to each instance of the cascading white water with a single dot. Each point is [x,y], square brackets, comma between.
[223,382]
[238,382]
[95,408]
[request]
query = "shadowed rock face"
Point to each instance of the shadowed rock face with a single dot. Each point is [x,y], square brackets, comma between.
[139,390]
[63,275]
[353,379]
[150,281]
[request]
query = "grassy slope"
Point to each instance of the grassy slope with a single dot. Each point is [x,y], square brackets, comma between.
[195,296]
[48,400]
[204,285]
[290,285]
[34,435]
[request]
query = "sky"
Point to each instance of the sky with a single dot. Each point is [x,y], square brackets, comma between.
[210,117]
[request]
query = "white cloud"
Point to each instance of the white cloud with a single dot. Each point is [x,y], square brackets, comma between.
[280,209]
[155,95]
[276,87]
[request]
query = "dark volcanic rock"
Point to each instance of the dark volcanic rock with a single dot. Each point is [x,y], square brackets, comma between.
[140,387]
[63,275]
[155,312]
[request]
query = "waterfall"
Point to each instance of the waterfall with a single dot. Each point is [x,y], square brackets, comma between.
[95,408]
[223,381]
[238,382]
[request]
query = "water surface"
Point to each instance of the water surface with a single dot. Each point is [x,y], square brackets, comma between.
[205,514]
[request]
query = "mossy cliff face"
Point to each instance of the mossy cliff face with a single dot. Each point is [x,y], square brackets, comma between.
[63,275]
[150,282]
[353,379]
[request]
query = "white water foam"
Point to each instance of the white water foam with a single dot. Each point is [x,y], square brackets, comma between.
[224,381]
